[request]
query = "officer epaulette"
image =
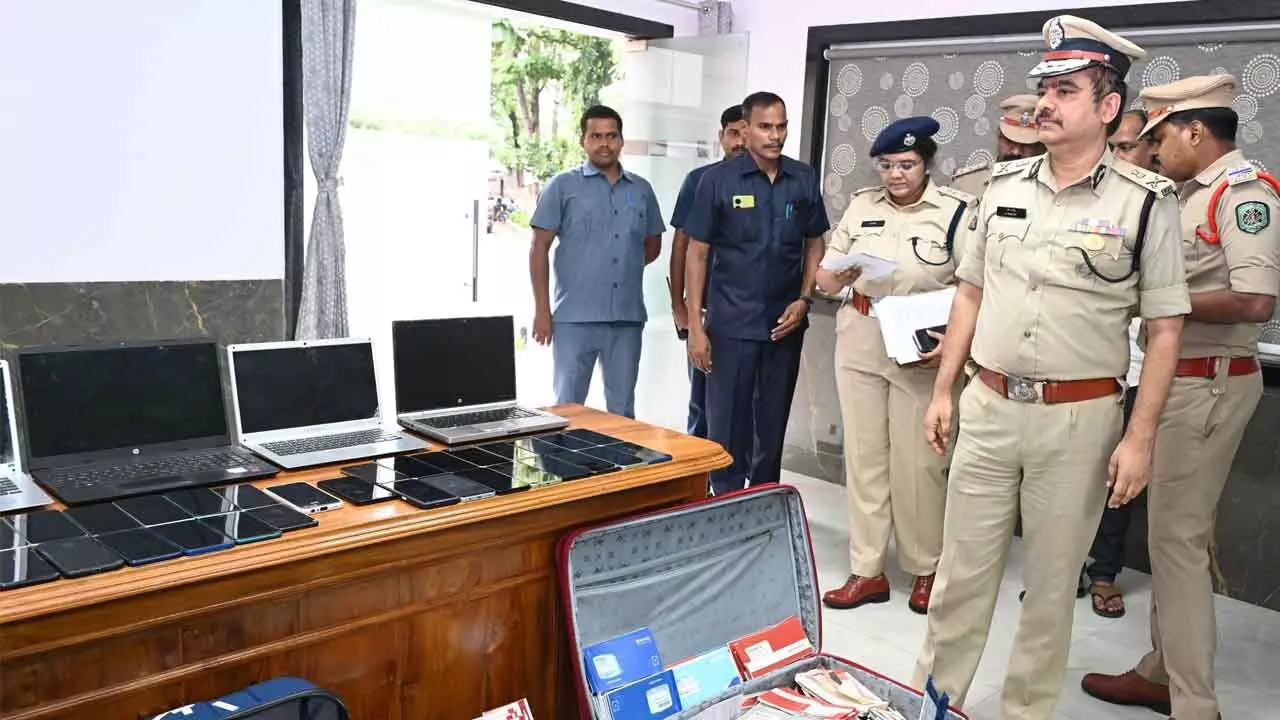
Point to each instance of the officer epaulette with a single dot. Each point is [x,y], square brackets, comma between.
[865,190]
[955,194]
[970,169]
[1159,184]
[1241,175]
[1014,166]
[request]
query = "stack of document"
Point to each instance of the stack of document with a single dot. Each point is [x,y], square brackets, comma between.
[873,267]
[901,316]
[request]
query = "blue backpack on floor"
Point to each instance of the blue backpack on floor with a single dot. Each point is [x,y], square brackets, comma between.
[283,698]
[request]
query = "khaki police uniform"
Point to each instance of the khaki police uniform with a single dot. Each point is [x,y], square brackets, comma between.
[894,483]
[1211,402]
[1017,124]
[1041,444]
[972,179]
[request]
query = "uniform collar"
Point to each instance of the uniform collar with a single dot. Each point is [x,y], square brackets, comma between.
[746,165]
[931,196]
[1095,180]
[1211,174]
[589,169]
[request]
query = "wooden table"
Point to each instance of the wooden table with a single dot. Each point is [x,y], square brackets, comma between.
[403,613]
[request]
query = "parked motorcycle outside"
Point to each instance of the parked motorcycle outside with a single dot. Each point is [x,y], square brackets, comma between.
[500,210]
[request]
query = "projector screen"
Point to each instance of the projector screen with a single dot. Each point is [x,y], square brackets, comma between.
[143,140]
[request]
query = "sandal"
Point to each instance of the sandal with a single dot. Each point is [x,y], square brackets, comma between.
[1103,594]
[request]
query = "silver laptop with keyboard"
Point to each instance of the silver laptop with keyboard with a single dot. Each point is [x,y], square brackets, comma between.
[17,490]
[311,402]
[456,380]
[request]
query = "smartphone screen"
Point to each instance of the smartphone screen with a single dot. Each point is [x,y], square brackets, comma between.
[282,517]
[79,556]
[44,526]
[140,546]
[531,476]
[305,497]
[373,473]
[200,501]
[475,456]
[423,495]
[357,491]
[554,465]
[24,566]
[246,497]
[501,482]
[926,342]
[241,527]
[10,539]
[624,457]
[460,487]
[410,467]
[595,465]
[444,463]
[566,441]
[193,537]
[153,510]
[102,518]
[591,436]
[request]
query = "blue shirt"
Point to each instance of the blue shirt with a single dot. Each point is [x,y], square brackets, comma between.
[684,201]
[757,231]
[599,261]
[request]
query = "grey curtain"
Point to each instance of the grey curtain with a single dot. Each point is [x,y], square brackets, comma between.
[328,32]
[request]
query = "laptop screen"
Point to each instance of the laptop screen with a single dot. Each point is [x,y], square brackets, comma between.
[453,362]
[304,385]
[8,451]
[81,400]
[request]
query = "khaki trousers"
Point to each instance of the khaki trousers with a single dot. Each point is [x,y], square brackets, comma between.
[1200,430]
[893,481]
[1050,462]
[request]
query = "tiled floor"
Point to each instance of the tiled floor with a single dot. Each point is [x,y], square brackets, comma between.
[887,637]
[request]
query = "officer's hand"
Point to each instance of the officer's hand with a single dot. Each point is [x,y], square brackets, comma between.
[790,320]
[937,422]
[932,358]
[542,328]
[848,276]
[680,311]
[700,350]
[1129,472]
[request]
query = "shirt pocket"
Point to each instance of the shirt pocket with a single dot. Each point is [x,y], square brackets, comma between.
[929,245]
[1002,235]
[1096,257]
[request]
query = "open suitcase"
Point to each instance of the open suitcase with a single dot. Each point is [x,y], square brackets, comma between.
[700,576]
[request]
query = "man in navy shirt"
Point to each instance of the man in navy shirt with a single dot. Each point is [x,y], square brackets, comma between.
[733,141]
[761,215]
[609,226]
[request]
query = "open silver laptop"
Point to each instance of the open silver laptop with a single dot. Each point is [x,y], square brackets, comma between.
[17,490]
[313,402]
[456,380]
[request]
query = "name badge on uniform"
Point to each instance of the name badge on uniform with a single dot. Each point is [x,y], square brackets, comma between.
[873,223]
[744,202]
[1011,212]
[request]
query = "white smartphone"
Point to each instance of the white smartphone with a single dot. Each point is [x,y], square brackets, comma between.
[304,497]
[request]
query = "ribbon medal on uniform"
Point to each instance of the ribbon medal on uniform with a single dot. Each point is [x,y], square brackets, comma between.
[1098,232]
[744,202]
[1253,217]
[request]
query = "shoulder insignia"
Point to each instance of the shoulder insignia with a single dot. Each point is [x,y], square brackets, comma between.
[1013,166]
[1253,217]
[955,194]
[1161,185]
[1241,175]
[970,169]
[865,190]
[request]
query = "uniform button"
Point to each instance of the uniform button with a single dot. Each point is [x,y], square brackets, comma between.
[1025,333]
[615,212]
[615,261]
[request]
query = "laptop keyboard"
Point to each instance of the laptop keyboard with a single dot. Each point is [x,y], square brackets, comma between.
[142,472]
[8,487]
[329,442]
[475,418]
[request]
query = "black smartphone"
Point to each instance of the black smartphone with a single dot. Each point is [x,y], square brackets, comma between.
[477,456]
[566,441]
[623,457]
[531,476]
[10,539]
[246,497]
[494,477]
[926,342]
[443,463]
[140,546]
[23,566]
[44,526]
[509,450]
[241,527]
[409,467]
[305,497]
[594,464]
[80,556]
[102,518]
[460,487]
[193,537]
[200,501]
[356,491]
[591,436]
[153,510]
[283,518]
[563,469]
[421,494]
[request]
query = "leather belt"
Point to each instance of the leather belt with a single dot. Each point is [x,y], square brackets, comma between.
[1049,392]
[1208,367]
[860,302]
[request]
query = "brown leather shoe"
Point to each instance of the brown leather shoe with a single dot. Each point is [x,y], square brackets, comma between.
[857,591]
[1128,689]
[921,591]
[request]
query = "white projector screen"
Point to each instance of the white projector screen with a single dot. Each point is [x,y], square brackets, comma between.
[142,140]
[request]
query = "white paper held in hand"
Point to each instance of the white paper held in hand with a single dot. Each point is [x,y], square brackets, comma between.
[901,316]
[873,267]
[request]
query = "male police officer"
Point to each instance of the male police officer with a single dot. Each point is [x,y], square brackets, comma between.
[1063,248]
[733,141]
[762,215]
[609,227]
[1017,139]
[1232,252]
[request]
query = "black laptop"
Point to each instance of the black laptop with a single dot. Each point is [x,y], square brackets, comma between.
[110,421]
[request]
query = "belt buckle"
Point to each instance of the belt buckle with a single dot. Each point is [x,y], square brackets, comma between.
[1021,389]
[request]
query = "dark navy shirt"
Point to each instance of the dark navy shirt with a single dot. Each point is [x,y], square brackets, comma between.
[684,201]
[757,231]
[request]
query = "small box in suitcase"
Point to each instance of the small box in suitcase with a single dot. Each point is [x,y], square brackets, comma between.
[699,576]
